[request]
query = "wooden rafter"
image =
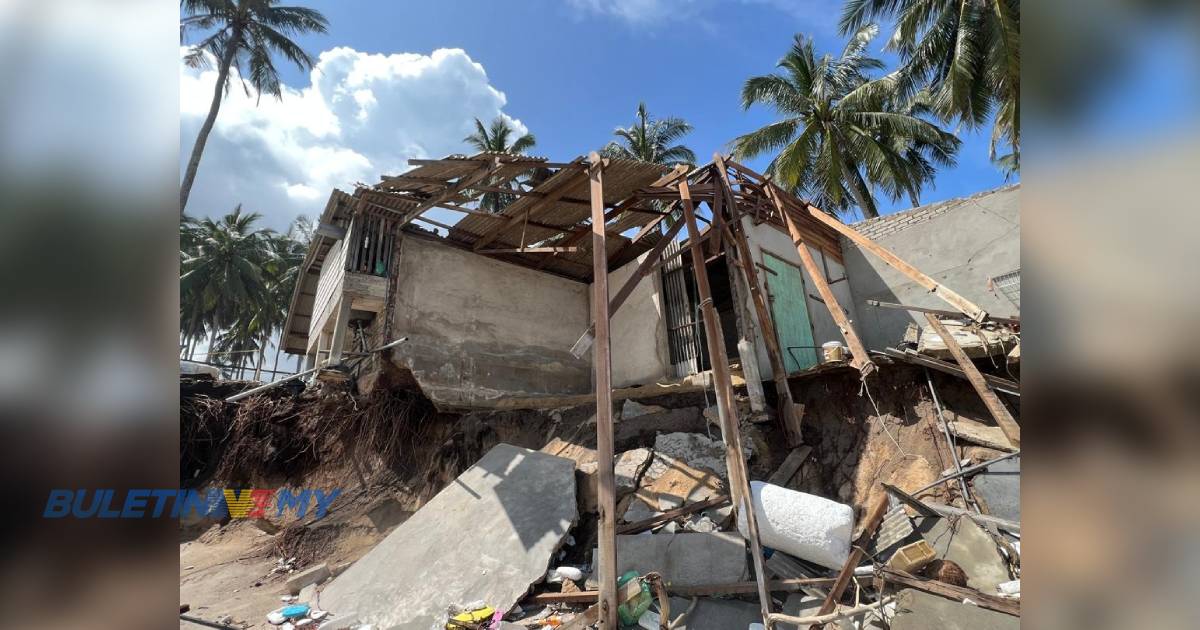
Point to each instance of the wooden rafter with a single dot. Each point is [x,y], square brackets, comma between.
[531,210]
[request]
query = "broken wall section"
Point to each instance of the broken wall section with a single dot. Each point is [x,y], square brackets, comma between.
[479,329]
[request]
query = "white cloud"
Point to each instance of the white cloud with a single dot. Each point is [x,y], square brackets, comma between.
[362,115]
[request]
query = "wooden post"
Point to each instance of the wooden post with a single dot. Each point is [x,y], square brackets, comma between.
[340,324]
[605,479]
[860,359]
[739,487]
[1003,418]
[789,411]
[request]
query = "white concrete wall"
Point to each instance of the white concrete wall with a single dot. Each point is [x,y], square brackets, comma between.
[768,238]
[480,329]
[639,330]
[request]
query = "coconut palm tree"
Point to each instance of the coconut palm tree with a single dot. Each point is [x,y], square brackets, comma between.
[242,35]
[222,279]
[841,133]
[496,139]
[651,140]
[287,253]
[968,53]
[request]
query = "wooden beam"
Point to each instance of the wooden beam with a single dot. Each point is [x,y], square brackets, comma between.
[870,524]
[733,588]
[648,263]
[789,413]
[999,412]
[606,481]
[677,172]
[943,313]
[507,160]
[726,410]
[860,359]
[957,593]
[530,210]
[999,384]
[965,306]
[335,232]
[530,250]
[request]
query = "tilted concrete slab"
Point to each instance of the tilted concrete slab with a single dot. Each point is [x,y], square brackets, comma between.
[487,536]
[920,611]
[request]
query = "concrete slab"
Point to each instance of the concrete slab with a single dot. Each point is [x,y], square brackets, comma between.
[715,614]
[487,536]
[962,541]
[916,610]
[1000,488]
[696,450]
[684,559]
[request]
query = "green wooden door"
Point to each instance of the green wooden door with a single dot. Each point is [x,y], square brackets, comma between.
[789,309]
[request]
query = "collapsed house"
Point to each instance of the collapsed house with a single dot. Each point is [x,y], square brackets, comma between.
[708,279]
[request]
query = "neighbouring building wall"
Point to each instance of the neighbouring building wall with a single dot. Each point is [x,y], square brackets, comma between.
[480,329]
[638,331]
[768,238]
[962,243]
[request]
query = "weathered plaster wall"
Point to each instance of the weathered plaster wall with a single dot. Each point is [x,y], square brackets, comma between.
[962,243]
[638,331]
[767,238]
[479,329]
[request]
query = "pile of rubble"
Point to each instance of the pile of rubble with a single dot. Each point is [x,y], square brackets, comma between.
[510,543]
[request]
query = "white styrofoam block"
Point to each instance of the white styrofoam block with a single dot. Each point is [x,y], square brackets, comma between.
[804,525]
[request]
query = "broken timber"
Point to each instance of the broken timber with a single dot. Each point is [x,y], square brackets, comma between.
[605,478]
[726,411]
[873,518]
[666,517]
[999,412]
[860,359]
[790,413]
[983,600]
[998,383]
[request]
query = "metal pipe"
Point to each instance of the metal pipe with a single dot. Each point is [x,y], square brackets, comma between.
[968,470]
[323,365]
[953,447]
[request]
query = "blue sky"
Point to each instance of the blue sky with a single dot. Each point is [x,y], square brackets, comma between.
[569,71]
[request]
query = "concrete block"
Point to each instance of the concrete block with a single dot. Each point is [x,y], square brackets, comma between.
[628,469]
[684,559]
[487,536]
[804,525]
[312,575]
[696,450]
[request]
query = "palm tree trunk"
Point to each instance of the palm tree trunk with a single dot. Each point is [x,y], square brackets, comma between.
[212,339]
[862,195]
[262,356]
[189,175]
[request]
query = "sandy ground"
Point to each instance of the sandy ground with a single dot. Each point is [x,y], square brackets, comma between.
[218,572]
[225,571]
